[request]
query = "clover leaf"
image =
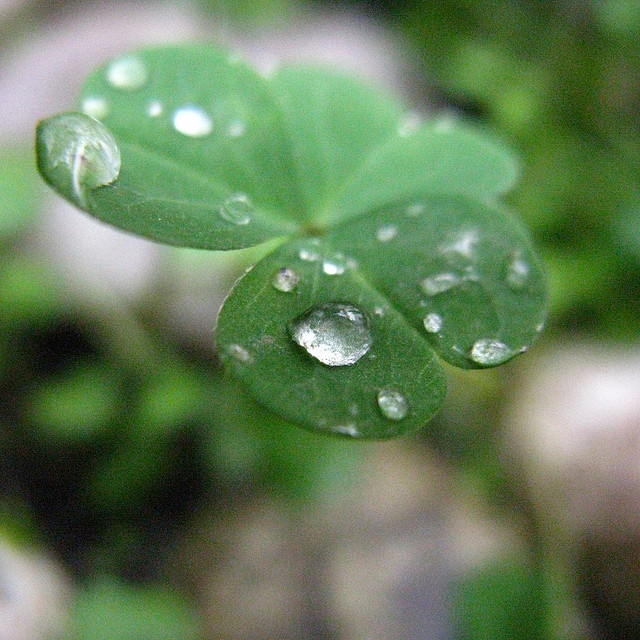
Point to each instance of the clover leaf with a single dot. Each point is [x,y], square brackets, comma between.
[390,243]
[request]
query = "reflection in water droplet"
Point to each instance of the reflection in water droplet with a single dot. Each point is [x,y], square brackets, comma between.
[386,232]
[154,108]
[236,209]
[393,404]
[415,209]
[488,351]
[334,266]
[239,353]
[433,322]
[128,73]
[309,254]
[439,283]
[517,273]
[335,333]
[463,244]
[236,129]
[95,107]
[286,280]
[77,154]
[192,121]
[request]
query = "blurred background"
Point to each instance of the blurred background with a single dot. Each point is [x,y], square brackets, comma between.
[143,496]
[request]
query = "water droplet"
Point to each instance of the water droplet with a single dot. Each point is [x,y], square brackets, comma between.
[415,209]
[334,266]
[439,283]
[236,129]
[379,311]
[335,333]
[433,322]
[154,108]
[354,410]
[236,209]
[489,351]
[192,121]
[393,404]
[444,124]
[95,107]
[540,327]
[386,232]
[286,280]
[309,254]
[77,154]
[128,73]
[517,273]
[409,123]
[239,353]
[347,430]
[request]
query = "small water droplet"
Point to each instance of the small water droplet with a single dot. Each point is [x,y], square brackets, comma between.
[433,322]
[309,254]
[347,430]
[439,283]
[236,209]
[386,232]
[239,353]
[334,266]
[95,107]
[335,333]
[236,129]
[488,351]
[393,404]
[409,123]
[77,154]
[154,109]
[415,209]
[540,327]
[379,311]
[192,121]
[286,280]
[517,273]
[354,410]
[128,73]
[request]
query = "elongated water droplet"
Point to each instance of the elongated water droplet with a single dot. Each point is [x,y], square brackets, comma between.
[236,209]
[386,232]
[517,273]
[393,404]
[154,108]
[95,107]
[335,333]
[76,154]
[439,283]
[488,352]
[286,280]
[128,73]
[192,121]
[433,322]
[239,353]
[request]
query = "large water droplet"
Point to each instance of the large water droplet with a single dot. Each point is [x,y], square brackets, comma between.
[286,280]
[433,322]
[439,283]
[192,121]
[386,232]
[393,404]
[236,209]
[488,352]
[517,273]
[76,154]
[96,107]
[128,73]
[335,333]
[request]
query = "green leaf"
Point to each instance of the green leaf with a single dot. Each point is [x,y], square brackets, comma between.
[18,195]
[254,334]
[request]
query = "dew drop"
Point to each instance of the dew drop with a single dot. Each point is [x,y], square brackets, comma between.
[439,283]
[286,280]
[236,129]
[488,351]
[335,333]
[393,404]
[433,322]
[95,107]
[192,121]
[386,232]
[335,266]
[77,154]
[379,311]
[154,109]
[517,273]
[128,73]
[239,353]
[415,209]
[236,209]
[349,429]
[309,254]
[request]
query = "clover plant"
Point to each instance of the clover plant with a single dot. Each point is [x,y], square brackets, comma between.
[389,248]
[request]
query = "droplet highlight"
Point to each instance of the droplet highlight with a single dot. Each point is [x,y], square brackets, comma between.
[236,129]
[335,333]
[415,209]
[77,154]
[239,353]
[439,283]
[95,107]
[517,273]
[334,266]
[393,405]
[128,73]
[155,109]
[409,123]
[433,322]
[489,352]
[286,280]
[386,232]
[236,209]
[192,121]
